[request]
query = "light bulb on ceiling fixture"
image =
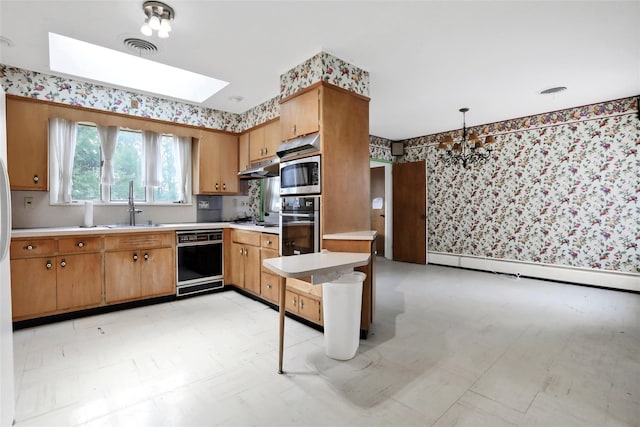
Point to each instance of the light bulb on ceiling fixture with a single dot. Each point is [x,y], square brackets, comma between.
[165,25]
[146,29]
[154,23]
[163,34]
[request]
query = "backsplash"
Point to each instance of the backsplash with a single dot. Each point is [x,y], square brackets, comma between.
[562,189]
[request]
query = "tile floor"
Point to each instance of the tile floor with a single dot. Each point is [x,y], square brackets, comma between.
[448,347]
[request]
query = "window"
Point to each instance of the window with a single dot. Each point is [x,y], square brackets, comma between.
[128,161]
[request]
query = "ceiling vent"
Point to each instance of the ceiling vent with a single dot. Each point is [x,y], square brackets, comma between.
[140,47]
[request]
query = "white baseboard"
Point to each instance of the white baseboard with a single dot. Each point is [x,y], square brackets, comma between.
[585,276]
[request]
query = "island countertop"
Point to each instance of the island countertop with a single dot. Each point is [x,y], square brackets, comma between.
[320,265]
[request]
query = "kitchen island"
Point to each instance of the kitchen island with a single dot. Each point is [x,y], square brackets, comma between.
[321,266]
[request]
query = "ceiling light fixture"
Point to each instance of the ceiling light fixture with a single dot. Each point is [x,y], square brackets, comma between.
[159,17]
[471,149]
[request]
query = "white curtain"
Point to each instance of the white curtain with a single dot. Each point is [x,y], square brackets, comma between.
[182,149]
[152,165]
[108,138]
[62,141]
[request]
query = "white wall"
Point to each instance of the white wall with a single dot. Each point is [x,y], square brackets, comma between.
[388,211]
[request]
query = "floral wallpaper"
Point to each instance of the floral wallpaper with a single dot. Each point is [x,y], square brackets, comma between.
[63,90]
[259,114]
[380,148]
[561,189]
[328,68]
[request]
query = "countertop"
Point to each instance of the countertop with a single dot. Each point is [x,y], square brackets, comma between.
[354,235]
[322,266]
[103,229]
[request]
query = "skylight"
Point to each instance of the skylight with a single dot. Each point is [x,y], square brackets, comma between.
[82,59]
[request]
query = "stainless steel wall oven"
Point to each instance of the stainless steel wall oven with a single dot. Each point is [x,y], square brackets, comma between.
[199,261]
[299,225]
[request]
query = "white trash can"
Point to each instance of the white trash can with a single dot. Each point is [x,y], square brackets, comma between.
[341,307]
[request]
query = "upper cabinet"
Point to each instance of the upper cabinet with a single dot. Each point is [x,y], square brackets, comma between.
[300,115]
[243,152]
[27,139]
[264,141]
[215,163]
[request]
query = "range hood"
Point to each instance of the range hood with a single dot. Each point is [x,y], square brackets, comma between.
[304,144]
[264,169]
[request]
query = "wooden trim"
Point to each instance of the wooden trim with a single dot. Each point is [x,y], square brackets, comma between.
[325,84]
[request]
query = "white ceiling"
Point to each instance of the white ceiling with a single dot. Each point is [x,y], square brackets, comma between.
[426,59]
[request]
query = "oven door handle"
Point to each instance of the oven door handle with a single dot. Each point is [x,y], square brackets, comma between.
[297,214]
[208,242]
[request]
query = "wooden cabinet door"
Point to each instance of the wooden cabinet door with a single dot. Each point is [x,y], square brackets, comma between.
[291,302]
[27,144]
[256,144]
[227,148]
[243,152]
[270,287]
[252,269]
[122,276]
[157,272]
[309,308]
[79,279]
[300,115]
[33,286]
[209,164]
[236,273]
[271,138]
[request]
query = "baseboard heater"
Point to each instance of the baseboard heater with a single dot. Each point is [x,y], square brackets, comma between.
[198,288]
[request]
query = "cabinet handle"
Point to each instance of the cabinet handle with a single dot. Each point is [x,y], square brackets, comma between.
[294,301]
[63,263]
[301,304]
[80,244]
[36,179]
[224,185]
[246,251]
[135,257]
[146,256]
[294,129]
[241,251]
[269,242]
[29,247]
[48,264]
[217,186]
[269,286]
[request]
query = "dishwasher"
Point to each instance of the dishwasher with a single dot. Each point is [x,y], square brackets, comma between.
[199,261]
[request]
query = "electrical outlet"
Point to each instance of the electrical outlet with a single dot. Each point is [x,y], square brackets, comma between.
[134,103]
[28,202]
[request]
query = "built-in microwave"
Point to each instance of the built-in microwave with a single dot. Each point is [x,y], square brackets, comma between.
[300,176]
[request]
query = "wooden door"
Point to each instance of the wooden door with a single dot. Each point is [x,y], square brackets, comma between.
[291,302]
[271,138]
[300,115]
[208,164]
[157,272]
[378,204]
[410,212]
[236,273]
[33,286]
[309,308]
[270,287]
[227,152]
[252,269]
[256,144]
[243,152]
[79,280]
[27,144]
[122,275]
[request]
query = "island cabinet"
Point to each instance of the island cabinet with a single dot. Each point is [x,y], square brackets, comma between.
[269,282]
[300,114]
[139,266]
[215,160]
[245,260]
[264,141]
[27,144]
[49,276]
[304,299]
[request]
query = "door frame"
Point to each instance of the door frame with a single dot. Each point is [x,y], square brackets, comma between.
[388,207]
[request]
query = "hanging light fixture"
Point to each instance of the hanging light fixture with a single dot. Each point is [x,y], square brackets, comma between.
[159,17]
[471,149]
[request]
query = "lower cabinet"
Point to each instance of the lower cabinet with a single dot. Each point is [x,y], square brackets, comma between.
[245,260]
[143,270]
[33,287]
[304,299]
[79,280]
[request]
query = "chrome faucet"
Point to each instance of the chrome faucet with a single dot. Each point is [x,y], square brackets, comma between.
[132,207]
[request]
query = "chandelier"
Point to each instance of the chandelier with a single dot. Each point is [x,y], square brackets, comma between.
[471,149]
[159,17]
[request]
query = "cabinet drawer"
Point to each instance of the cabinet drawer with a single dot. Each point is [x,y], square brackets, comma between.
[266,254]
[139,241]
[80,244]
[270,287]
[32,248]
[271,241]
[246,237]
